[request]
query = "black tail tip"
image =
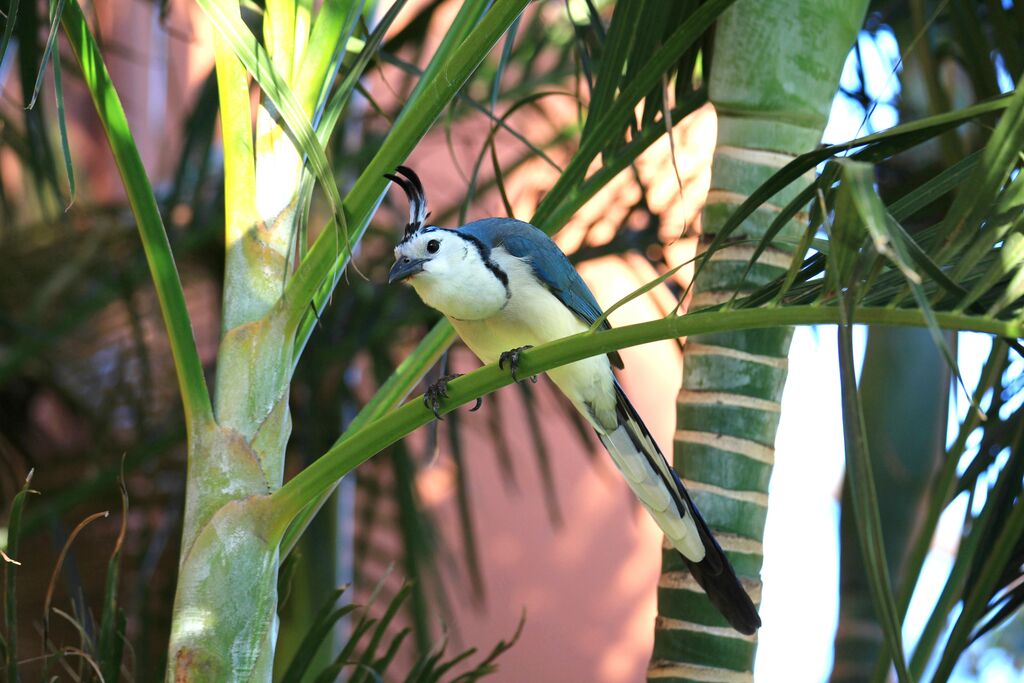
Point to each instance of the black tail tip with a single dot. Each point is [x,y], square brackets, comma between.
[728,596]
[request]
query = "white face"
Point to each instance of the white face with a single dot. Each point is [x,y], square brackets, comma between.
[431,251]
[449,274]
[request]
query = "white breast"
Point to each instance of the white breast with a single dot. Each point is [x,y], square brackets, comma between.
[533,316]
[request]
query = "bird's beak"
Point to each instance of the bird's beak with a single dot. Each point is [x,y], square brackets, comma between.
[404,268]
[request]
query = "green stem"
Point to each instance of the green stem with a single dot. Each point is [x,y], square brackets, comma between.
[194,395]
[343,457]
[864,496]
[405,377]
[941,491]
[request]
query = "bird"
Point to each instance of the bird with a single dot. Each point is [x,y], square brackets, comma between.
[506,286]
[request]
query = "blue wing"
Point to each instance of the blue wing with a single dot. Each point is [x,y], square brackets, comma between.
[549,264]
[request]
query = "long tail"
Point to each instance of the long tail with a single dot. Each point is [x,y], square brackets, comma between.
[658,487]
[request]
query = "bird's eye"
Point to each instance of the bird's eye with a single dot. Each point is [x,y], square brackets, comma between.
[433,246]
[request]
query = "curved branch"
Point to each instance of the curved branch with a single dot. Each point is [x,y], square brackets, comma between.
[347,454]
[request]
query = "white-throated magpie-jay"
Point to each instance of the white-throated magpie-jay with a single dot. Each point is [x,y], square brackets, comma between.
[505,285]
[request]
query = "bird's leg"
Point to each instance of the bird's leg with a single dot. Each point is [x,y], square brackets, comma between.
[439,390]
[512,358]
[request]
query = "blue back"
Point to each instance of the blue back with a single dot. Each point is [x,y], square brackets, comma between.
[549,264]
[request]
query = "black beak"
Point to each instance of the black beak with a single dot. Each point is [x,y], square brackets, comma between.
[405,267]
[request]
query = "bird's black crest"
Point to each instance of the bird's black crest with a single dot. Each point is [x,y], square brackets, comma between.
[413,189]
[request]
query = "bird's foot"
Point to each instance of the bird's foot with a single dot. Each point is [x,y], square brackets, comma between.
[437,391]
[512,358]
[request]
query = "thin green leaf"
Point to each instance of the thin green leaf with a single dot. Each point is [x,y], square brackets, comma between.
[1001,218]
[366,660]
[191,381]
[626,21]
[614,163]
[381,665]
[640,291]
[329,39]
[58,92]
[487,665]
[337,102]
[500,181]
[946,181]
[11,562]
[658,20]
[506,52]
[858,185]
[611,120]
[112,636]
[361,628]
[11,19]
[942,490]
[279,34]
[862,492]
[330,673]
[1011,255]
[489,113]
[51,40]
[1002,613]
[59,564]
[798,203]
[1013,292]
[797,262]
[239,156]
[489,143]
[876,146]
[1010,530]
[1000,156]
[322,625]
[923,261]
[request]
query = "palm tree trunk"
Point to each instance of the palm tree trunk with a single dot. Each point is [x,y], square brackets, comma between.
[774,71]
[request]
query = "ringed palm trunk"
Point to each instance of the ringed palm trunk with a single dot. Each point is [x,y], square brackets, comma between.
[774,71]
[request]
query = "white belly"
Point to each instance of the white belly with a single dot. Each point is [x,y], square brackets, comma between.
[534,316]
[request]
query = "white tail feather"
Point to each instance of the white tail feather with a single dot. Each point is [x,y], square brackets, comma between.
[650,487]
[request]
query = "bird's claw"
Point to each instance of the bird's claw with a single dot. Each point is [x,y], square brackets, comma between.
[436,392]
[439,390]
[512,358]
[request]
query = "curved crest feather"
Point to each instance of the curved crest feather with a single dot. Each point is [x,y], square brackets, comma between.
[413,189]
